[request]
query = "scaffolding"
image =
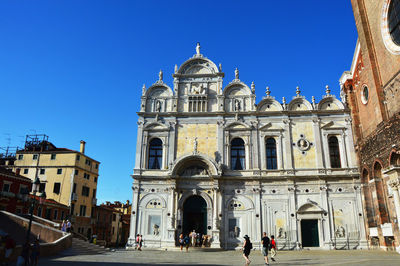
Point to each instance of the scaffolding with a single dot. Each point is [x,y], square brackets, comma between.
[36,142]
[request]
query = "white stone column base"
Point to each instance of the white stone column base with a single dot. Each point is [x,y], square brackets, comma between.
[215,239]
[170,241]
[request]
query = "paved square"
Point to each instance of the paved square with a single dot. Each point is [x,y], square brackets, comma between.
[210,257]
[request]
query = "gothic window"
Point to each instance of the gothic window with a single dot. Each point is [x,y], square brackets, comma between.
[334,152]
[155,154]
[237,154]
[394,21]
[380,194]
[270,147]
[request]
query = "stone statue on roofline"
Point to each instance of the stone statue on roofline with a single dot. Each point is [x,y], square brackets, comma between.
[160,75]
[198,49]
[236,73]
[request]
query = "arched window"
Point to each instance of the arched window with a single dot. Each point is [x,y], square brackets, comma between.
[237,154]
[380,194]
[334,152]
[155,154]
[369,206]
[270,148]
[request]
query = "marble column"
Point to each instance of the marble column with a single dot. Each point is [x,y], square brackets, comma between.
[395,188]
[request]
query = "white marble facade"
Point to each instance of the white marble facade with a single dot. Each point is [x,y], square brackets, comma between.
[300,198]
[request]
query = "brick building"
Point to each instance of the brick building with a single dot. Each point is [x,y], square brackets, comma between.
[370,89]
[12,186]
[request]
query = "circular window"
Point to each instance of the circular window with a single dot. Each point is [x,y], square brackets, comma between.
[394,21]
[364,94]
[390,25]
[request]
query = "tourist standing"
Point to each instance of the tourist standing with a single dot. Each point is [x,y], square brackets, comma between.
[193,236]
[265,242]
[273,248]
[181,241]
[247,246]
[186,240]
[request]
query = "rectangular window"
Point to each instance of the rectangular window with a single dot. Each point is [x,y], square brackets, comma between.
[114,217]
[23,189]
[35,157]
[76,172]
[26,171]
[39,211]
[62,215]
[55,214]
[59,171]
[88,162]
[48,214]
[113,230]
[72,208]
[42,171]
[94,193]
[95,179]
[85,191]
[78,157]
[97,166]
[74,188]
[53,156]
[42,187]
[82,210]
[56,188]
[20,156]
[6,187]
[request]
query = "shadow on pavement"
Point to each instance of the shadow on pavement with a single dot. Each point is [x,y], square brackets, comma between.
[70,263]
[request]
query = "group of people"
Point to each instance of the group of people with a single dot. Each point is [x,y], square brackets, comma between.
[267,245]
[193,239]
[66,226]
[29,253]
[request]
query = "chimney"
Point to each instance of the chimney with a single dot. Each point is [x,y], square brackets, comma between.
[82,147]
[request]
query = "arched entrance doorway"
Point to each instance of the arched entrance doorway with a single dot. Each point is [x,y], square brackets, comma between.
[195,215]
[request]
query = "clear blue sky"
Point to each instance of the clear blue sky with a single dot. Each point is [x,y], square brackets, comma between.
[74,69]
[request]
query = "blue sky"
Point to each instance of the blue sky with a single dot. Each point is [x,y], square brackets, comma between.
[74,69]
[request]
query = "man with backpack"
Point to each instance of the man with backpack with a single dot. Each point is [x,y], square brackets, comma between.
[265,242]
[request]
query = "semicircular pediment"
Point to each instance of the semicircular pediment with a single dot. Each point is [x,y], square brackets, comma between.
[198,66]
[330,103]
[300,104]
[158,90]
[269,105]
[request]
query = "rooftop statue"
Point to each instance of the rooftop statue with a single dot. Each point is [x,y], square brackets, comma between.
[160,75]
[198,48]
[236,73]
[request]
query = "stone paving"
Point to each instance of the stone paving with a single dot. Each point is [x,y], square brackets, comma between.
[217,258]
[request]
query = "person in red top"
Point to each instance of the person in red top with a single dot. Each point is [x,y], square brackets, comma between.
[9,247]
[273,248]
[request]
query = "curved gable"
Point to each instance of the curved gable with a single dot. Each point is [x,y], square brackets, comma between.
[330,103]
[299,104]
[269,105]
[198,65]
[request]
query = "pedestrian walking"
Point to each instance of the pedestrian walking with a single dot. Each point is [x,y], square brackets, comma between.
[266,245]
[64,226]
[247,246]
[9,247]
[68,226]
[140,242]
[181,241]
[35,252]
[273,248]
[186,240]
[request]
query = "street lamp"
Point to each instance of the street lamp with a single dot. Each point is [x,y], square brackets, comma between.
[122,225]
[42,197]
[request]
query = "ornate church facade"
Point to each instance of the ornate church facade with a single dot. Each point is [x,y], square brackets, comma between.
[209,159]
